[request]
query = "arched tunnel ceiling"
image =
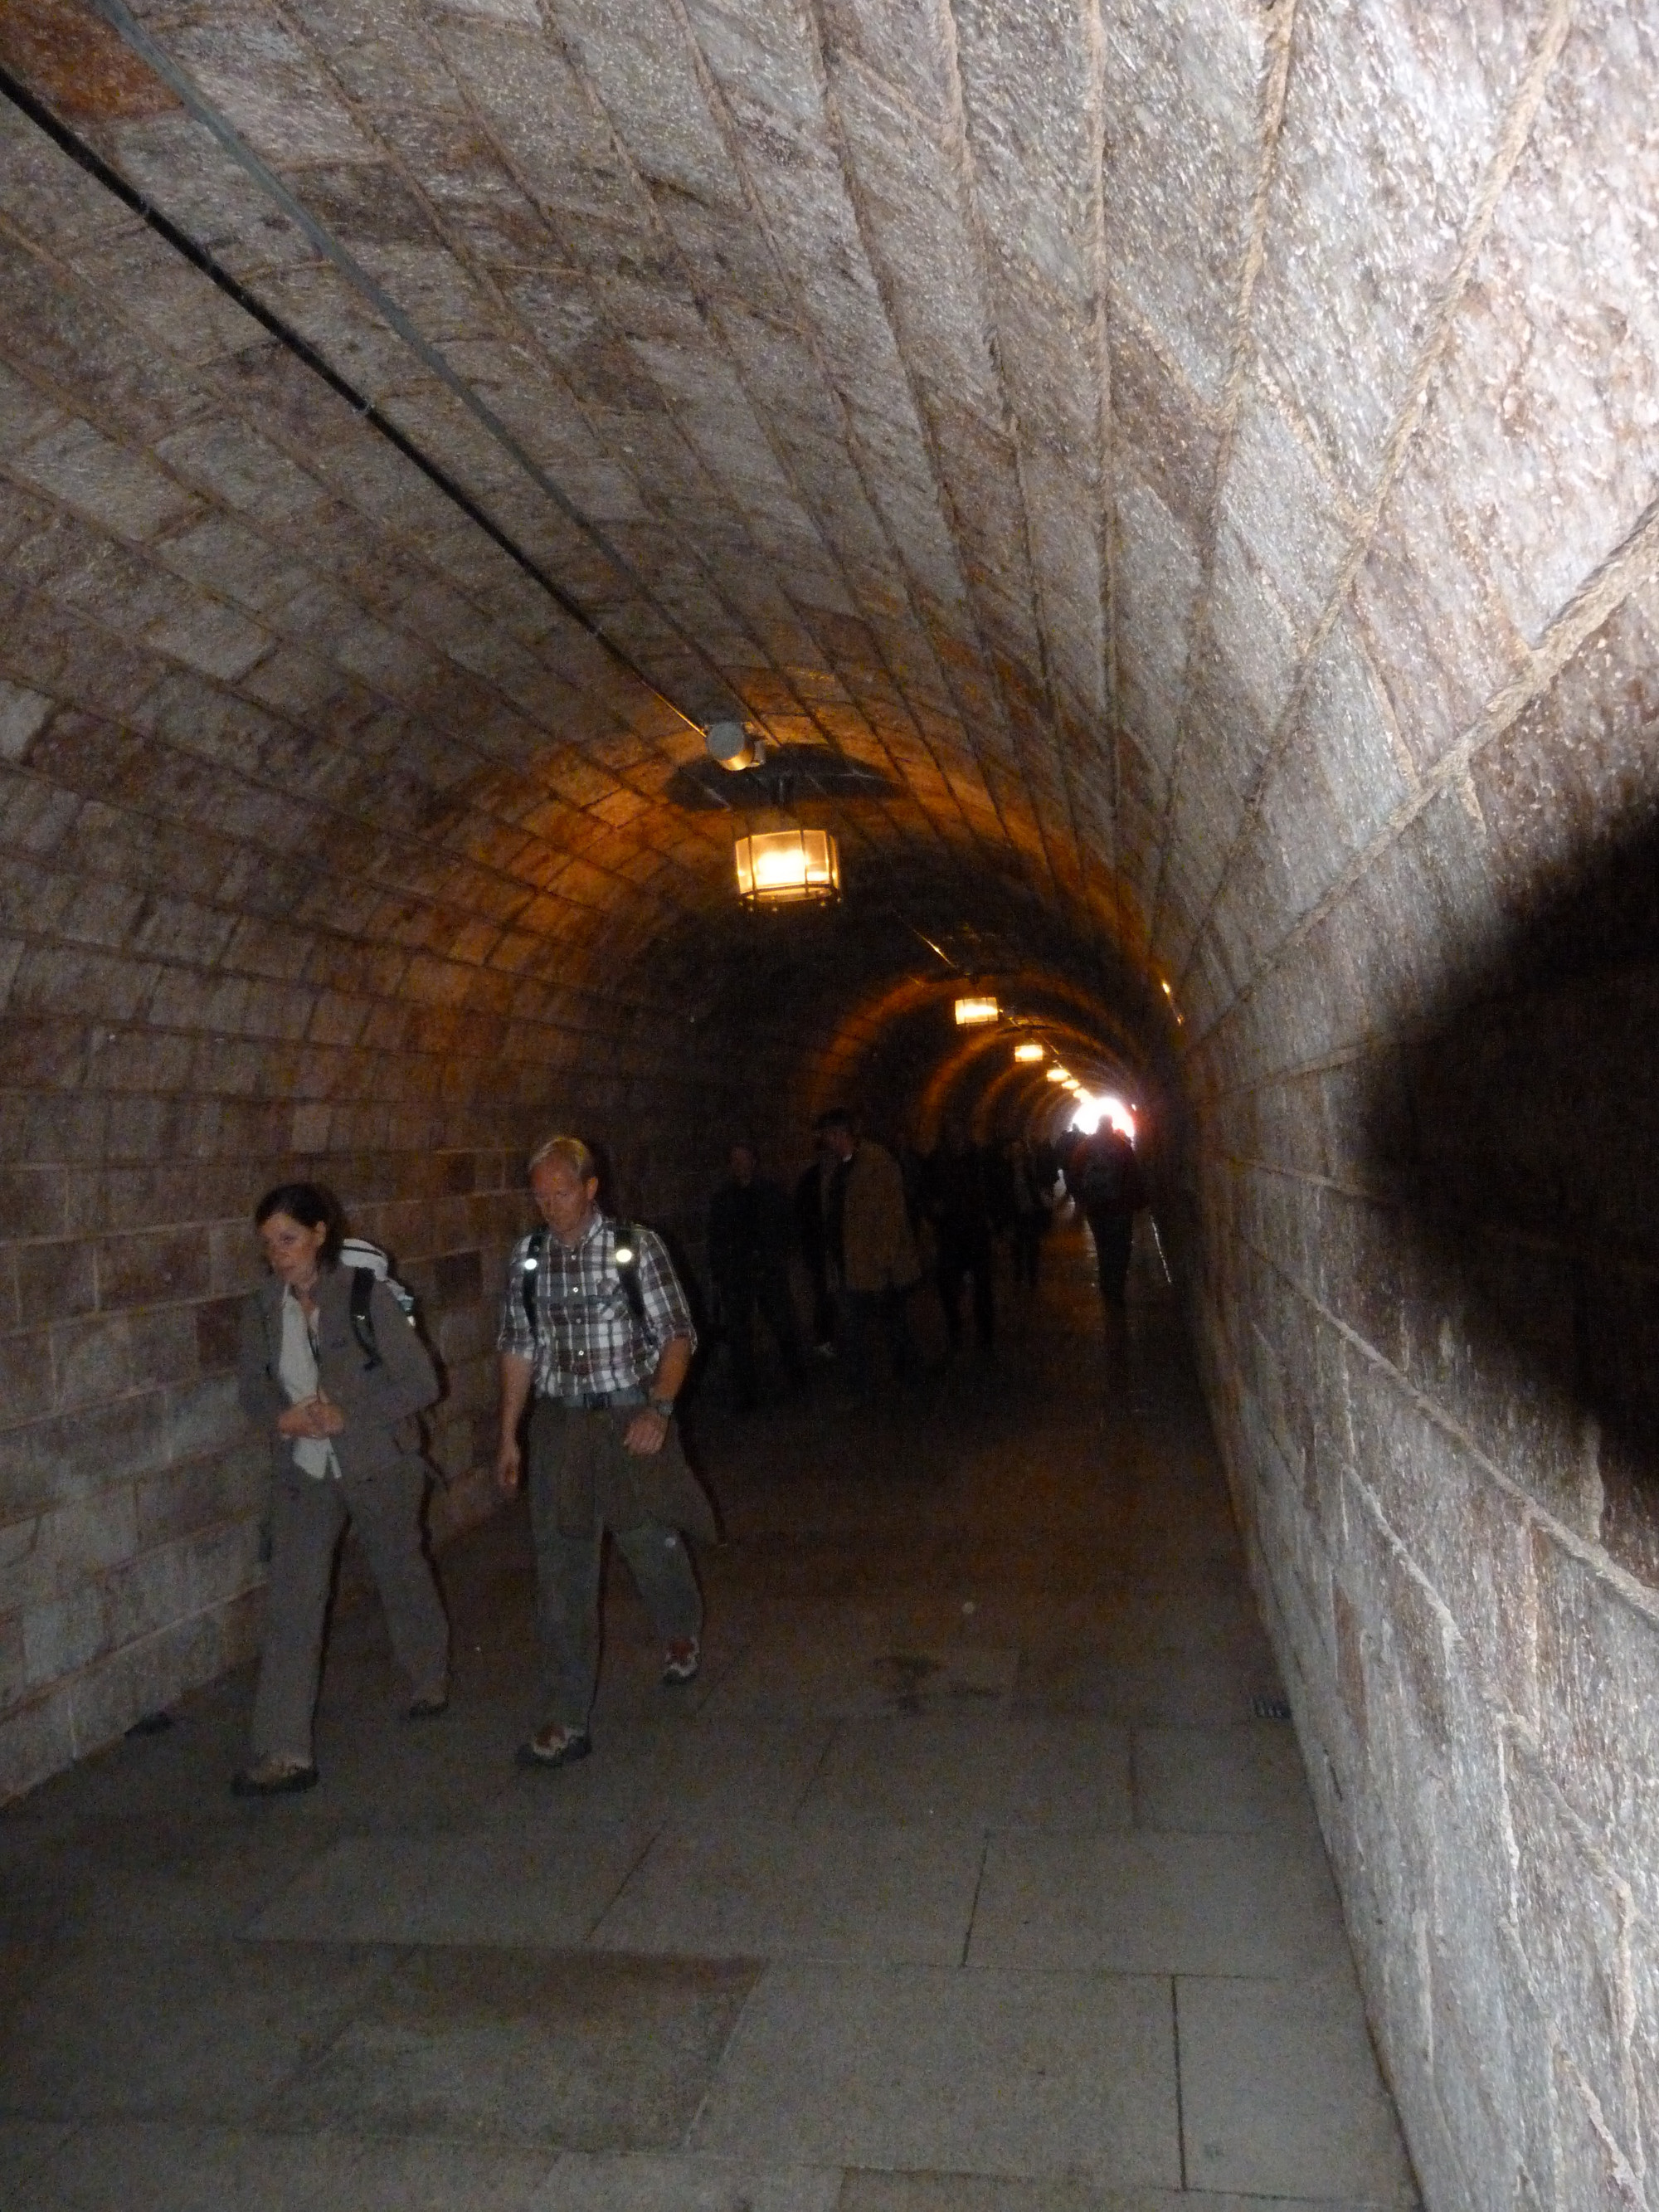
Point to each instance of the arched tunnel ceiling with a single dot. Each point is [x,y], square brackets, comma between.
[1103,424]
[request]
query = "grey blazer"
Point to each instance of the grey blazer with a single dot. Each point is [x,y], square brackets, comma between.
[379,1403]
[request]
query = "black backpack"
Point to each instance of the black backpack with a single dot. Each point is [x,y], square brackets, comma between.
[628,1272]
[363,1279]
[1110,1178]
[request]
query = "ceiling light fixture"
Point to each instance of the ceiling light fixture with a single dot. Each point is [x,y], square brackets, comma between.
[785,867]
[1059,1074]
[1031,1052]
[735,745]
[972,1012]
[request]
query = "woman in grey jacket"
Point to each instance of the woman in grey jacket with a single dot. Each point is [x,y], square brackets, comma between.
[346,1446]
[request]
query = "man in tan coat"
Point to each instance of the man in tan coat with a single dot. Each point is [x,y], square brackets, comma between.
[870,1248]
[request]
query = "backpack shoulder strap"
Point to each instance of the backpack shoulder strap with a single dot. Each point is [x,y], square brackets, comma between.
[363,1317]
[533,1260]
[628,1269]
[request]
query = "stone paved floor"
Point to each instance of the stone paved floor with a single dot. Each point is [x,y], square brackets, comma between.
[962,1880]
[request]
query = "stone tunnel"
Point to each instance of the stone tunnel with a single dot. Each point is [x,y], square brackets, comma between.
[1170,484]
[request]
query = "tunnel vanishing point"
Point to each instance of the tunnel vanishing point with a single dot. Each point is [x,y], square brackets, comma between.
[1174,481]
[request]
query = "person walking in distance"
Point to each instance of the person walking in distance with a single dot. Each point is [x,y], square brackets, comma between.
[1103,1176]
[959,1197]
[749,1241]
[1030,1202]
[870,1247]
[596,1331]
[809,1236]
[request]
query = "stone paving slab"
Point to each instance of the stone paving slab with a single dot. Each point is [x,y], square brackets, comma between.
[967,2192]
[210,1884]
[1221,1781]
[1281,2095]
[976,1770]
[434,1773]
[204,2031]
[686,2184]
[158,2167]
[834,1678]
[1150,1903]
[710,1891]
[497,1885]
[570,2048]
[1015,2074]
[25,2146]
[744,1770]
[1196,1689]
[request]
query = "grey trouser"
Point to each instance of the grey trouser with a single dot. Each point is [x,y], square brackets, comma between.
[307,1520]
[567,1568]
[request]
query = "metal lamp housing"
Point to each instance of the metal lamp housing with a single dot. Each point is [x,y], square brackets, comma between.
[787,867]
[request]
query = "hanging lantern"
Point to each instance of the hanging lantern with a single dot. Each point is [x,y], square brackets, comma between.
[780,867]
[1032,1051]
[971,1012]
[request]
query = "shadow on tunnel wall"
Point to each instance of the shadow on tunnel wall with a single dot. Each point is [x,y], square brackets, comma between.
[1519,1136]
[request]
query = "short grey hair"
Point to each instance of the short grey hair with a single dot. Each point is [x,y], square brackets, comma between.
[571,1151]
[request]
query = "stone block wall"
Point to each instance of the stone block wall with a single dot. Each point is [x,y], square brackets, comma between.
[1410,730]
[1423,1257]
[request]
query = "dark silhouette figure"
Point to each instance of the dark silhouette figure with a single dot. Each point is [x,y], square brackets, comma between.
[959,1191]
[1029,1201]
[809,1242]
[1104,1177]
[750,1233]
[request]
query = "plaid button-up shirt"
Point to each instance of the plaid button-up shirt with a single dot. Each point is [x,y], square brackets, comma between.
[586,1337]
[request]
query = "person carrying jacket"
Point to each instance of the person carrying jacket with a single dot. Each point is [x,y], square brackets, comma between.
[595,1328]
[338,1406]
[870,1247]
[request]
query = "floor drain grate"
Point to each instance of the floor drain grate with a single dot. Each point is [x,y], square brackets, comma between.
[1270,1708]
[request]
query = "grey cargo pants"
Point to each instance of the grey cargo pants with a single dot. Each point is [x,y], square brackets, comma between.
[308,1518]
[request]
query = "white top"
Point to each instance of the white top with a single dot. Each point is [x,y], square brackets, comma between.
[297,1372]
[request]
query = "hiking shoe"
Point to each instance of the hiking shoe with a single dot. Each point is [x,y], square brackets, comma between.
[682,1660]
[274,1777]
[554,1747]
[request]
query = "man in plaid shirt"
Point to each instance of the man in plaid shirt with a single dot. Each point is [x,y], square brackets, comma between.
[601,1445]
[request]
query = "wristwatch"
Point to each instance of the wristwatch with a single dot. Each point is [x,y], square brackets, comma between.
[663,1407]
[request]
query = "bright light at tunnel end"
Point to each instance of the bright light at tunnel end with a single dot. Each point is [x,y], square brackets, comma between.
[1092,1111]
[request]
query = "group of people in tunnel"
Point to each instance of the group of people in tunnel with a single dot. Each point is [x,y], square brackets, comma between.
[595,1343]
[863,1221]
[868,1224]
